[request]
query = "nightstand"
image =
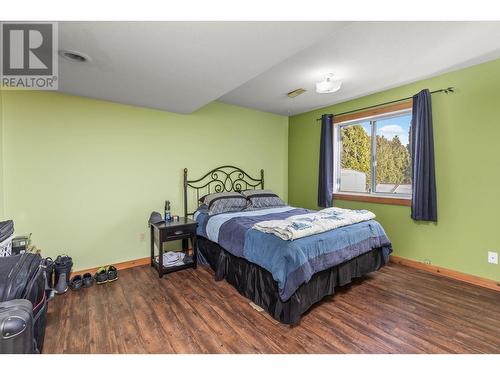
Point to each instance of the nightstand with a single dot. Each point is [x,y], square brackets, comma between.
[184,229]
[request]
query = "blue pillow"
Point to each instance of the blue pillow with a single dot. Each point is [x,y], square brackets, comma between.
[219,203]
[257,199]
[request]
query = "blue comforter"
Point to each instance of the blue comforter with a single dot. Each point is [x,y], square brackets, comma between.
[291,263]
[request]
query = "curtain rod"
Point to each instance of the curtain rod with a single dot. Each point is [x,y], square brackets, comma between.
[446,91]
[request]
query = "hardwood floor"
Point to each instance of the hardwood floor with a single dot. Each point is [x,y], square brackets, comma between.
[394,310]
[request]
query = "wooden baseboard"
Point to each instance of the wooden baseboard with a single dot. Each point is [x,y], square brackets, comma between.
[456,275]
[471,279]
[119,266]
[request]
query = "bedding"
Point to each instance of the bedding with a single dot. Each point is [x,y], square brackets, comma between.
[291,263]
[258,285]
[299,226]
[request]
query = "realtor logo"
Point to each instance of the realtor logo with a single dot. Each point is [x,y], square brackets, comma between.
[29,55]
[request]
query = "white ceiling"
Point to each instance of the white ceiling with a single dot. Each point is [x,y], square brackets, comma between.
[176,66]
[182,66]
[369,57]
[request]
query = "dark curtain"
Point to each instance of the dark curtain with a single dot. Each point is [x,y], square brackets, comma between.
[325,180]
[424,204]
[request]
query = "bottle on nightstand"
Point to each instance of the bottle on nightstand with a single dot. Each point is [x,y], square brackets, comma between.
[168,216]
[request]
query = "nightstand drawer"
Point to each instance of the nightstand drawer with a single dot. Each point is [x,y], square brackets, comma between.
[180,232]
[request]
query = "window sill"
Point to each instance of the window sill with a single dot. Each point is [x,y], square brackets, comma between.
[372,199]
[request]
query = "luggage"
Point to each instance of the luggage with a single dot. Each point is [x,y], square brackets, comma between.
[16,327]
[6,229]
[6,247]
[23,277]
[6,236]
[20,244]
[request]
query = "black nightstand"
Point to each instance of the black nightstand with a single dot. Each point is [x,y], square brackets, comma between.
[184,229]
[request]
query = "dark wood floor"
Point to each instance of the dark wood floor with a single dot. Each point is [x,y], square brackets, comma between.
[395,310]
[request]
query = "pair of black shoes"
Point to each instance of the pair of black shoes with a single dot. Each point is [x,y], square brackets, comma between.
[106,274]
[78,282]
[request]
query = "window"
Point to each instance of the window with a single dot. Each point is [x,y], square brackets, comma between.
[373,156]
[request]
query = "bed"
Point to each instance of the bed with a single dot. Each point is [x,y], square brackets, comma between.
[285,278]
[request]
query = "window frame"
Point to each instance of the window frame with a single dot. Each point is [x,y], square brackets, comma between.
[376,114]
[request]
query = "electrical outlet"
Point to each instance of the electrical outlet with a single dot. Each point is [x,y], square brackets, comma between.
[492,257]
[142,237]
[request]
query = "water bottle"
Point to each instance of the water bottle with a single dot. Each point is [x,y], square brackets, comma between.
[168,217]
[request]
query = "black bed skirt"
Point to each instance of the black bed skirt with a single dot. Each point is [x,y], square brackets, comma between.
[258,285]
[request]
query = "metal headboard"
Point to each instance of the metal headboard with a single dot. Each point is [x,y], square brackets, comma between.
[222,179]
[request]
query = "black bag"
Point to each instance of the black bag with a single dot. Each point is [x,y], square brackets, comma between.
[16,326]
[23,277]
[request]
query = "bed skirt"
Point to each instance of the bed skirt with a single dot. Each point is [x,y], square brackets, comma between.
[258,285]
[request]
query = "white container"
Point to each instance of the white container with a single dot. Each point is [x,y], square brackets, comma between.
[6,247]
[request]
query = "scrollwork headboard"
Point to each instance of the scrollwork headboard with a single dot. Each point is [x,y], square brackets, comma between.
[222,179]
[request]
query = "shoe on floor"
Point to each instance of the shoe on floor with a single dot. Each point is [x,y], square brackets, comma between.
[76,282]
[62,284]
[88,280]
[48,264]
[63,264]
[101,276]
[112,273]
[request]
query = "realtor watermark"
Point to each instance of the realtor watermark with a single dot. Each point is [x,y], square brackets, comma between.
[28,55]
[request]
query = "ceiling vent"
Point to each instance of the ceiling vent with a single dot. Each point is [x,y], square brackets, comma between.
[74,56]
[295,93]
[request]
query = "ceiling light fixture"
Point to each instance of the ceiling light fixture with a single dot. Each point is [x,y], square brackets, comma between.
[74,56]
[328,85]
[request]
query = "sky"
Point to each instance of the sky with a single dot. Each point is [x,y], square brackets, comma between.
[389,128]
[395,126]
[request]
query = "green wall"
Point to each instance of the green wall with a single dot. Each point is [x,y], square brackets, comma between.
[83,175]
[467,136]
